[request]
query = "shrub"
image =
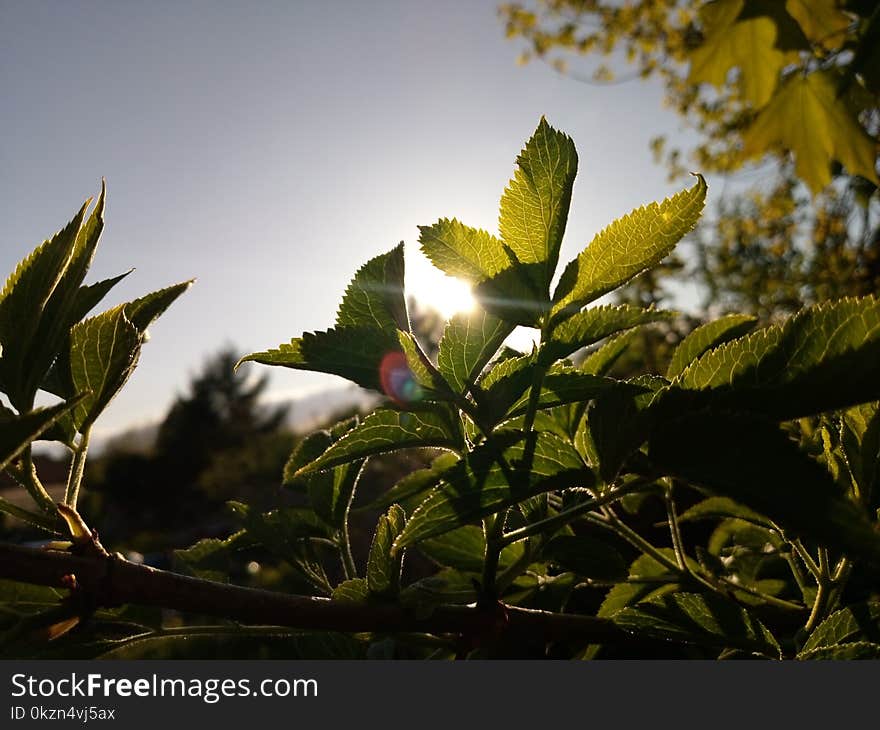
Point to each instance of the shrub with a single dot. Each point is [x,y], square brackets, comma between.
[757,451]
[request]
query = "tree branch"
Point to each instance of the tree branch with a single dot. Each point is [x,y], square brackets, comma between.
[111,581]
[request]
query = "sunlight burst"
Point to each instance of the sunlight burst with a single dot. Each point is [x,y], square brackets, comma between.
[431,288]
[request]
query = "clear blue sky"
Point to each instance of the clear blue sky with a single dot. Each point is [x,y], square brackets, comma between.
[271,148]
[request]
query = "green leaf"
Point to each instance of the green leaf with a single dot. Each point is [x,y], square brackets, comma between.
[465,549]
[511,296]
[487,480]
[330,492]
[354,353]
[587,556]
[809,117]
[104,351]
[447,586]
[859,622]
[387,430]
[415,483]
[626,248]
[24,597]
[142,312]
[705,620]
[754,463]
[303,454]
[569,385]
[843,652]
[28,517]
[706,337]
[714,508]
[383,567]
[375,297]
[461,251]
[591,325]
[25,301]
[601,360]
[823,358]
[733,41]
[618,422]
[534,206]
[210,558]
[16,432]
[503,385]
[90,295]
[138,315]
[280,527]
[860,439]
[286,534]
[352,591]
[468,343]
[649,578]
[414,377]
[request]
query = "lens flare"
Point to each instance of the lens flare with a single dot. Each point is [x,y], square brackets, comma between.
[398,381]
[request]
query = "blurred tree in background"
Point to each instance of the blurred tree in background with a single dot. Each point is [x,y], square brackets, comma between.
[784,96]
[221,413]
[217,441]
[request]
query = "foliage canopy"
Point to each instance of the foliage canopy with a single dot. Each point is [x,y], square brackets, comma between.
[546,476]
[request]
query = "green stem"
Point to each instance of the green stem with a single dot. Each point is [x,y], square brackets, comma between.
[823,591]
[766,597]
[807,558]
[611,522]
[839,580]
[798,574]
[562,518]
[77,469]
[493,526]
[348,565]
[33,485]
[512,571]
[675,532]
[32,518]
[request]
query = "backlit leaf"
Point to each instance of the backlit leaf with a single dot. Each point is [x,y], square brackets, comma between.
[707,336]
[465,549]
[415,483]
[534,207]
[747,41]
[601,360]
[822,21]
[823,358]
[142,312]
[627,247]
[722,508]
[462,251]
[694,618]
[23,303]
[104,351]
[859,622]
[387,430]
[383,567]
[591,325]
[468,343]
[375,297]
[485,481]
[810,118]
[354,353]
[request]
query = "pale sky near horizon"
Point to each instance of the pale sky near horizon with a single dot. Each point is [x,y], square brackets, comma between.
[271,148]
